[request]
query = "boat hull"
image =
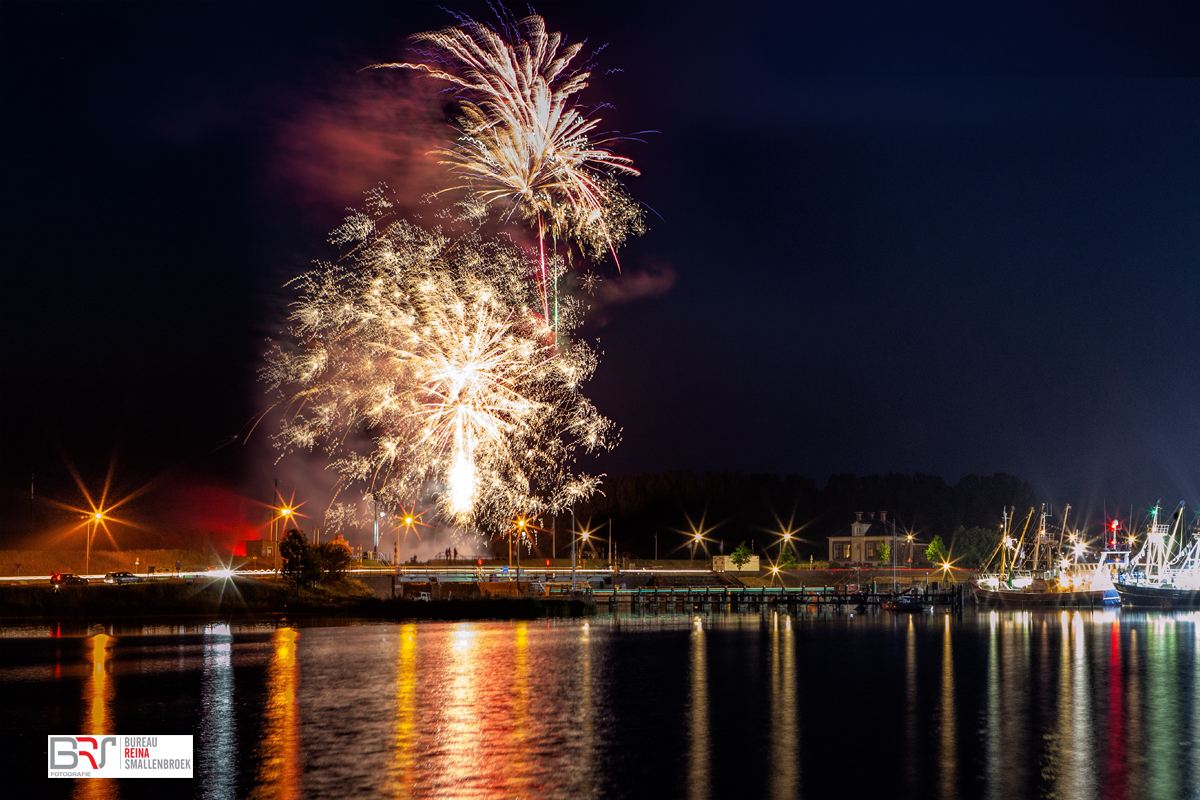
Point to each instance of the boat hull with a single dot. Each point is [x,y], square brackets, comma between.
[1016,598]
[1158,596]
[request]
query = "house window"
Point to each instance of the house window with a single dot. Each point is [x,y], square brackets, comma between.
[841,550]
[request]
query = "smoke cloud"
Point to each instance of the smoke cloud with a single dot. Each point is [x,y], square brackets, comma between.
[376,126]
[629,287]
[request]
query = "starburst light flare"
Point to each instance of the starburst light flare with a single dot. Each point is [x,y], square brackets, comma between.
[524,142]
[416,364]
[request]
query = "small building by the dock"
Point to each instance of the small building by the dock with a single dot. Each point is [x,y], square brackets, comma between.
[857,544]
[725,564]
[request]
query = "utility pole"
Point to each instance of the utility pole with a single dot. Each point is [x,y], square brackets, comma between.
[375,502]
[610,557]
[274,521]
[572,548]
[893,555]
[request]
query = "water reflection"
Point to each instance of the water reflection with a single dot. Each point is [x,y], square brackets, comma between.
[587,715]
[698,733]
[785,740]
[910,705]
[948,755]
[280,767]
[404,741]
[1016,700]
[1114,757]
[1050,704]
[1080,766]
[1162,710]
[520,783]
[97,701]
[217,764]
[994,782]
[471,668]
[1133,708]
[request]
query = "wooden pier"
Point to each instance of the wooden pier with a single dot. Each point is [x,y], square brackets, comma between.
[810,598]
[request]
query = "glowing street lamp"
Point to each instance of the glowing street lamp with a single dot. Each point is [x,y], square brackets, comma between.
[285,514]
[521,523]
[94,520]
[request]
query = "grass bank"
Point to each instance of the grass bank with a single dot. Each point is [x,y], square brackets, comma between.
[225,598]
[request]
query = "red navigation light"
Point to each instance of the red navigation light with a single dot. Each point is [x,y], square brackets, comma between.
[1116,524]
[480,562]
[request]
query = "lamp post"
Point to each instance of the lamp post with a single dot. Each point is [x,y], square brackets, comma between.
[572,549]
[95,520]
[520,533]
[893,555]
[610,556]
[285,514]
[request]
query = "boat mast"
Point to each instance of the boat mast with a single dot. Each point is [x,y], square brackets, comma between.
[1066,513]
[1017,550]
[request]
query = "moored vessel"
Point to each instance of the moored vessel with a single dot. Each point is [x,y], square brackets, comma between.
[1043,572]
[1166,571]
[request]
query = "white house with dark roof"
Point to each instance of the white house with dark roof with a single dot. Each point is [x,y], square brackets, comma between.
[857,544]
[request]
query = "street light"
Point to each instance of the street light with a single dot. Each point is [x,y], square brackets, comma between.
[285,514]
[96,518]
[520,535]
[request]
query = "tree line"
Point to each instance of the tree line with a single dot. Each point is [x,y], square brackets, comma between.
[304,565]
[731,507]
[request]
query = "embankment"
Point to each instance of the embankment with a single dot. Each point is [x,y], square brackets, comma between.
[224,598]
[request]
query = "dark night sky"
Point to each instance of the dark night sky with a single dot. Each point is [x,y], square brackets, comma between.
[905,237]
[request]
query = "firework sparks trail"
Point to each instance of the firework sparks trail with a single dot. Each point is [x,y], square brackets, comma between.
[417,365]
[524,142]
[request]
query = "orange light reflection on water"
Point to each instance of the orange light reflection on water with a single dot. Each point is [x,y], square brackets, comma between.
[785,725]
[403,777]
[97,702]
[698,725]
[948,782]
[280,768]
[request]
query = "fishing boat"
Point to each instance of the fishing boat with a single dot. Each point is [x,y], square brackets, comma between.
[1166,571]
[1046,571]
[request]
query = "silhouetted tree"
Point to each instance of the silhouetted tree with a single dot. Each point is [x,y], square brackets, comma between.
[936,552]
[740,555]
[334,559]
[883,551]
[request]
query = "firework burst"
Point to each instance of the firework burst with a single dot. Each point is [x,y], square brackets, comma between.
[416,364]
[524,142]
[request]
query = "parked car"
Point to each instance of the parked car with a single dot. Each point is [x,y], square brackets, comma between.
[67,579]
[121,577]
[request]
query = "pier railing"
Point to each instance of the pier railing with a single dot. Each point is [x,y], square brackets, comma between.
[836,597]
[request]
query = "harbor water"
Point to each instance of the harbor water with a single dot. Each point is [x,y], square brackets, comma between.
[988,704]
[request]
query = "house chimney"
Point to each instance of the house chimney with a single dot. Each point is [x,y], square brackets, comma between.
[883,516]
[858,516]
